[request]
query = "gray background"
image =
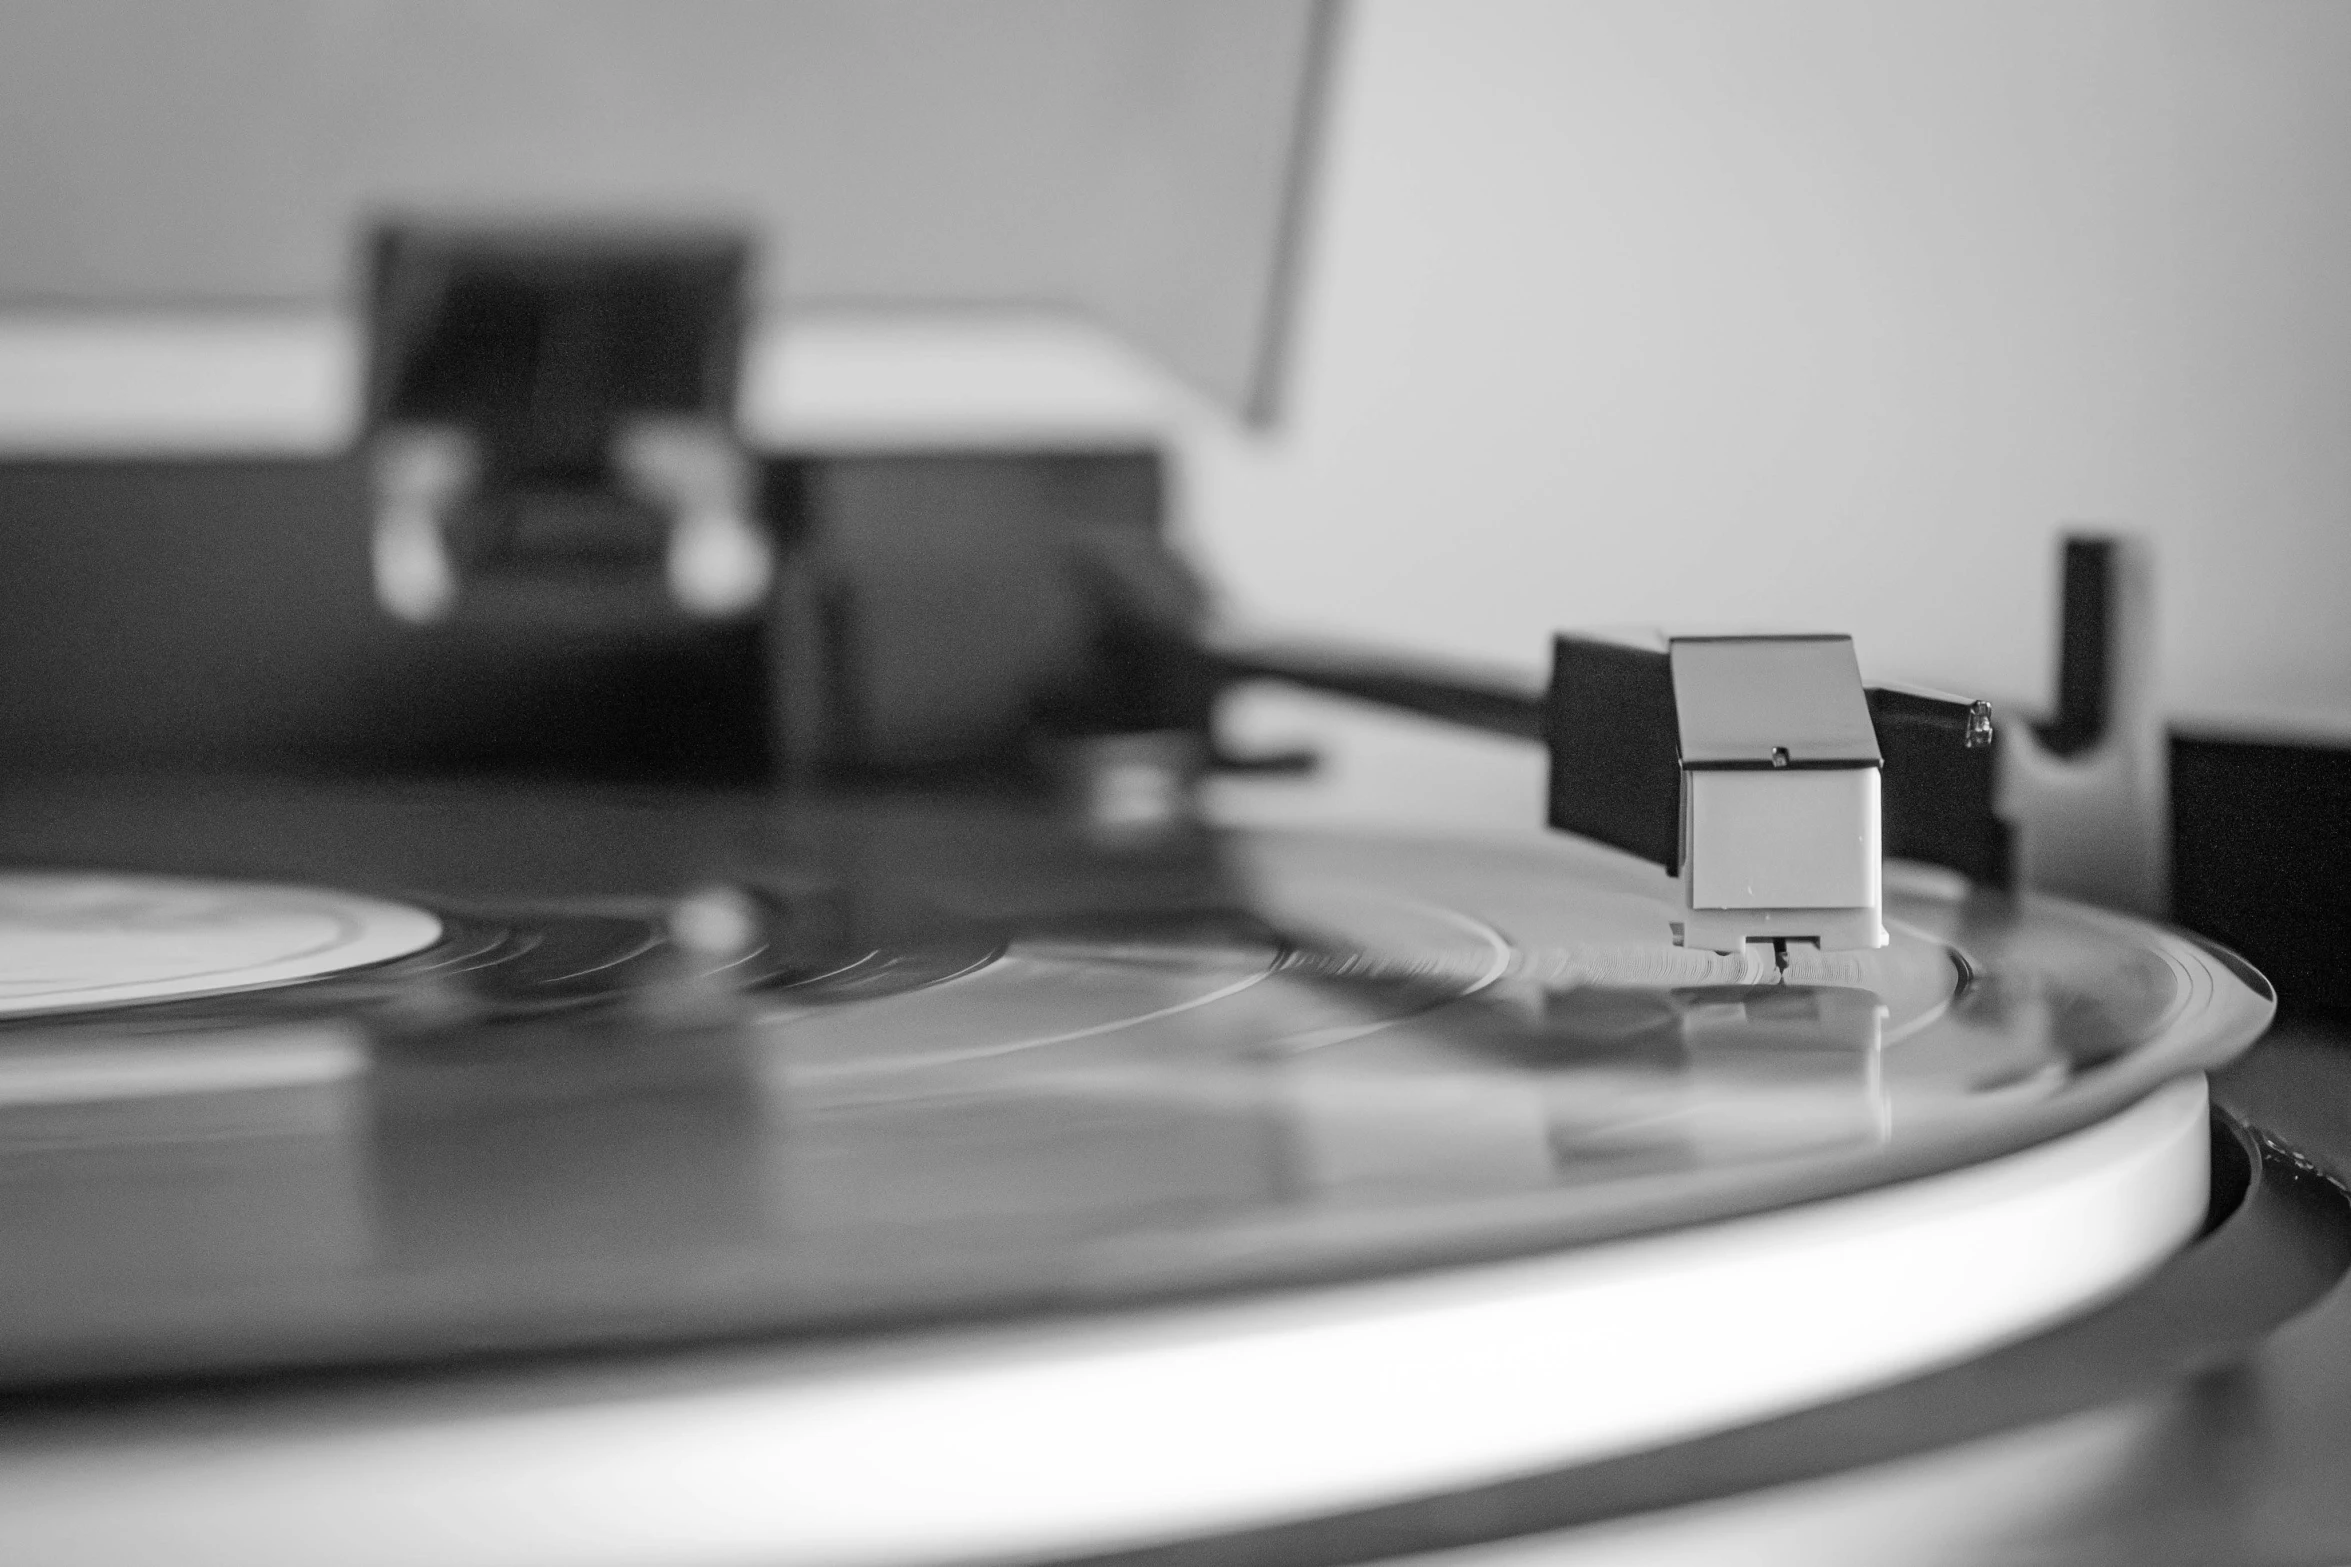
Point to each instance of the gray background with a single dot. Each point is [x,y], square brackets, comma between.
[1125,157]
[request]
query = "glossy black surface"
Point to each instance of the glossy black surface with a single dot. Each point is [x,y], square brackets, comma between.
[962,1060]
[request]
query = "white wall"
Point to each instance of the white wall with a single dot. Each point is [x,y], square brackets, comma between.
[1821,311]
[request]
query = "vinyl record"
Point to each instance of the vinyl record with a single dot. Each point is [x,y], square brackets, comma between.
[1030,1076]
[732,1169]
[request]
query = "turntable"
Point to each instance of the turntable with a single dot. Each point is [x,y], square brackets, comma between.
[705,1062]
[613,1172]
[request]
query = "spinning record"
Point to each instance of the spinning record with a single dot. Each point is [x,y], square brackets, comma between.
[924,1115]
[825,1101]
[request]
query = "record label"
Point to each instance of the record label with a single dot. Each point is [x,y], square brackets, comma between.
[73,941]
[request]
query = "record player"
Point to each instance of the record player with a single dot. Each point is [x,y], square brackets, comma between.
[775,1031]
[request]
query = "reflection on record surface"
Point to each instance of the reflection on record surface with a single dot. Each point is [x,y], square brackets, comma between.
[861,1084]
